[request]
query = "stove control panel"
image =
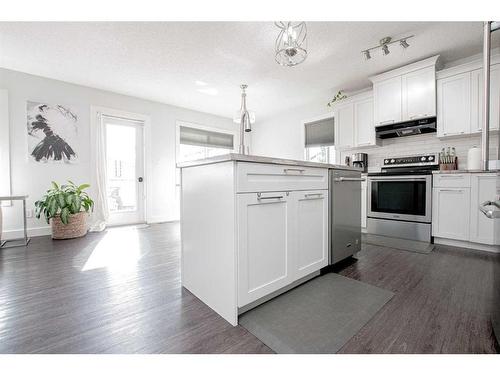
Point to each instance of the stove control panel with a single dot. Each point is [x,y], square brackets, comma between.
[429,159]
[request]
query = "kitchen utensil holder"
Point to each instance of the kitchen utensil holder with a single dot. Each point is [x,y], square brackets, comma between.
[450,166]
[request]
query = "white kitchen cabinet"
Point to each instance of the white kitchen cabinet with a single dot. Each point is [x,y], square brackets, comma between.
[251,229]
[264,245]
[344,125]
[364,129]
[477,99]
[454,105]
[354,126]
[387,101]
[364,198]
[450,213]
[405,94]
[419,94]
[311,233]
[482,229]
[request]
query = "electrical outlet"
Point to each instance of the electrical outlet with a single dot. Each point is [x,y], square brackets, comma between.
[29,213]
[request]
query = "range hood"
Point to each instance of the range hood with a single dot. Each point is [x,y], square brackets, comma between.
[403,129]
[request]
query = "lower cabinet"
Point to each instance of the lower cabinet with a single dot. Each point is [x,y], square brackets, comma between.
[451,209]
[455,208]
[282,236]
[482,229]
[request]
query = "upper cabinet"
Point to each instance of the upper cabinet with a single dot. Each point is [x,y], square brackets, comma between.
[460,92]
[387,99]
[419,93]
[354,125]
[454,105]
[405,94]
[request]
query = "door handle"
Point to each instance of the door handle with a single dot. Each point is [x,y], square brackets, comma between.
[342,179]
[491,214]
[140,179]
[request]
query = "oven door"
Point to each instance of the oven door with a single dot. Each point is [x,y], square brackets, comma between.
[405,198]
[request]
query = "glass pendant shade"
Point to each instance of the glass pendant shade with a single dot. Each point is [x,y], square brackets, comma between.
[291,44]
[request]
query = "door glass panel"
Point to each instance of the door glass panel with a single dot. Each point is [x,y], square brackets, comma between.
[399,197]
[121,168]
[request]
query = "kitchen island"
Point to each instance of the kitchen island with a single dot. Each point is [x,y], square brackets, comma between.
[252,227]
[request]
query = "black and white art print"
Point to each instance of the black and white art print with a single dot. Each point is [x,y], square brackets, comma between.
[52,133]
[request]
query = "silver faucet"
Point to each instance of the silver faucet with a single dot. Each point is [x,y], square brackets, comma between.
[245,124]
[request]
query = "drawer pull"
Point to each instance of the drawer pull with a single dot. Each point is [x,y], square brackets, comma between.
[452,176]
[259,197]
[314,195]
[451,190]
[286,170]
[386,122]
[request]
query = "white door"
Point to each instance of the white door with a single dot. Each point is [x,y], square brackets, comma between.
[482,229]
[419,94]
[454,105]
[344,119]
[125,171]
[311,231]
[264,245]
[478,99]
[450,213]
[387,101]
[363,120]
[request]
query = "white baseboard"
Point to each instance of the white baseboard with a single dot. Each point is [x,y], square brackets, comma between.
[32,232]
[467,245]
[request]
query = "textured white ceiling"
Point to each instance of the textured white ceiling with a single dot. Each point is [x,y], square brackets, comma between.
[200,65]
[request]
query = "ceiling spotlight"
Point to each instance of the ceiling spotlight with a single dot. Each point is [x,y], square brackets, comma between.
[384,46]
[404,43]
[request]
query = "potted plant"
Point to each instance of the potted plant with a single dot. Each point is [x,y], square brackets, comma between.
[66,208]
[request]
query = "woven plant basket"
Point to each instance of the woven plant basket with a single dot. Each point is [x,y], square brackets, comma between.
[76,227]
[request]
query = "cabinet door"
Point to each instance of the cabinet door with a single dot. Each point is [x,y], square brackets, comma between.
[344,116]
[387,101]
[363,204]
[482,229]
[478,99]
[454,105]
[363,123]
[311,221]
[419,94]
[450,213]
[264,246]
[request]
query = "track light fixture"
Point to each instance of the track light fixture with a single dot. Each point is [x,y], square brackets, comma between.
[384,46]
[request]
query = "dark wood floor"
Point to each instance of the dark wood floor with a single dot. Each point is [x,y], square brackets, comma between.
[119,292]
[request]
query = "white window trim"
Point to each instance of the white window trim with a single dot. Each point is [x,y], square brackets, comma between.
[179,123]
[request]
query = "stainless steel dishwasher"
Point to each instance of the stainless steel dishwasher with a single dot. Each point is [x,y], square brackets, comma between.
[345,213]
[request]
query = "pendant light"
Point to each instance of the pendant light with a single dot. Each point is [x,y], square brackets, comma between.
[291,43]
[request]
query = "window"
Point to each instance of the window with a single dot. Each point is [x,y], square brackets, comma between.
[199,142]
[319,140]
[321,154]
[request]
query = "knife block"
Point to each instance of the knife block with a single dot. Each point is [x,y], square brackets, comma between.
[452,166]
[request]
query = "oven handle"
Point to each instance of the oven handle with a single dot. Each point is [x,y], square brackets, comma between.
[342,179]
[413,178]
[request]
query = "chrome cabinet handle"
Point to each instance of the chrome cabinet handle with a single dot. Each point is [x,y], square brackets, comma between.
[286,170]
[317,195]
[452,176]
[364,143]
[260,197]
[342,179]
[450,190]
[491,214]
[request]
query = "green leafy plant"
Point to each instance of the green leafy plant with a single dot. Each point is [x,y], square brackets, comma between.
[338,97]
[64,200]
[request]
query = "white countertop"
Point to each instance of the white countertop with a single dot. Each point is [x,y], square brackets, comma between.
[262,159]
[461,171]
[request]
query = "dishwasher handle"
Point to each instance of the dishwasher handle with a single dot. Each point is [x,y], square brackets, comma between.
[344,179]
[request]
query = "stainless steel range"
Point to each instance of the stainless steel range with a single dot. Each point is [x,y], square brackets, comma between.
[400,198]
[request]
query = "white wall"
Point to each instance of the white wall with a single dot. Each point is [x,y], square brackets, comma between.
[34,179]
[282,135]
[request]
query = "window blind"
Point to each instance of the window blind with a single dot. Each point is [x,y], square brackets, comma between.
[320,133]
[205,138]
